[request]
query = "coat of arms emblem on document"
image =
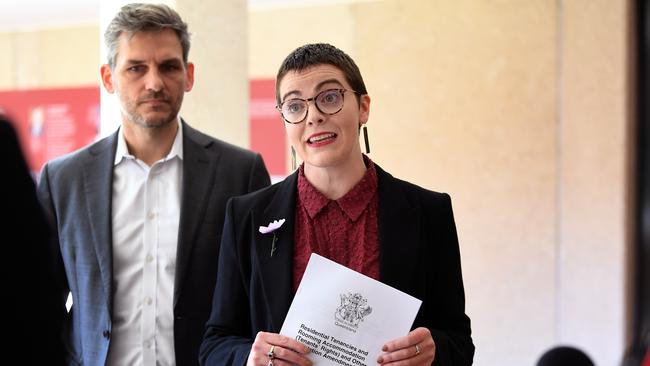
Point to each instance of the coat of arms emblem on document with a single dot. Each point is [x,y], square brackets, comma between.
[353,309]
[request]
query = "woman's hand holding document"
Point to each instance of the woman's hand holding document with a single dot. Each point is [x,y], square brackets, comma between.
[346,318]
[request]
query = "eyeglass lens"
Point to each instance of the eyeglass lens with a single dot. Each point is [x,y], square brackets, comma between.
[328,101]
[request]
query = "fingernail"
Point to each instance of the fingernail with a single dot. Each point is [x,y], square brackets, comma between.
[380,359]
[384,348]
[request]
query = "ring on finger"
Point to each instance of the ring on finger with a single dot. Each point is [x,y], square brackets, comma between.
[270,363]
[271,355]
[417,349]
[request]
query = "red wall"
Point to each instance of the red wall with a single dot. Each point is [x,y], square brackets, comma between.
[52,122]
[266,127]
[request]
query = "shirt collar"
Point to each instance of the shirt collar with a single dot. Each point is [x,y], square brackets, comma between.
[352,203]
[122,151]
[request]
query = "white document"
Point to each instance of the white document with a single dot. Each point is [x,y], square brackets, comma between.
[345,317]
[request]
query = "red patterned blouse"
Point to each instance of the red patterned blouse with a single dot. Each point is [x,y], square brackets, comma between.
[343,230]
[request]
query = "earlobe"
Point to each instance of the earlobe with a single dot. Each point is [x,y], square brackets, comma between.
[107,78]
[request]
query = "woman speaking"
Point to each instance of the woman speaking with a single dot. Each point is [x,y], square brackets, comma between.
[340,205]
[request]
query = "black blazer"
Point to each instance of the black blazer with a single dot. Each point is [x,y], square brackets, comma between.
[76,192]
[419,255]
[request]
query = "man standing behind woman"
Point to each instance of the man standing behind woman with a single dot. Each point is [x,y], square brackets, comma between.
[341,205]
[138,215]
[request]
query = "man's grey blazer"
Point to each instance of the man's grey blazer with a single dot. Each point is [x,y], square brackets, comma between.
[76,191]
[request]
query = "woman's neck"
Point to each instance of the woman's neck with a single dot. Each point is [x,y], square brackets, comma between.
[335,182]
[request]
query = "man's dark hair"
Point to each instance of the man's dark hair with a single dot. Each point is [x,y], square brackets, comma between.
[310,55]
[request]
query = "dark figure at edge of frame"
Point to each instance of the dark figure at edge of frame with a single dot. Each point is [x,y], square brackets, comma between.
[33,314]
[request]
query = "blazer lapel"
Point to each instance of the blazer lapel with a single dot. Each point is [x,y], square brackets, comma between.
[399,223]
[276,271]
[98,188]
[198,167]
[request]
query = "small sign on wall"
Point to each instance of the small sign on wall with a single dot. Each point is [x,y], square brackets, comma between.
[52,122]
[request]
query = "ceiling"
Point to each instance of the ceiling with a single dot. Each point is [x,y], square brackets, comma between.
[26,15]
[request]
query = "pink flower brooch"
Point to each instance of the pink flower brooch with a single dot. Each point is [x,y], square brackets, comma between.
[273,226]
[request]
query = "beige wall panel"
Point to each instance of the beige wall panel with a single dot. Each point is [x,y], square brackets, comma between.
[6,61]
[464,102]
[28,60]
[594,177]
[57,57]
[218,104]
[69,57]
[275,33]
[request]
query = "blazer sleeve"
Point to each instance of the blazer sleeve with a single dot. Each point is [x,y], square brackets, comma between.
[227,339]
[444,312]
[44,193]
[60,280]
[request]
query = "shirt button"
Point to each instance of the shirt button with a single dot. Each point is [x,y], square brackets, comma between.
[149,258]
[147,344]
[151,215]
[149,301]
[106,334]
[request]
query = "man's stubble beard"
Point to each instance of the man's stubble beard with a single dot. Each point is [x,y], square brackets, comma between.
[129,109]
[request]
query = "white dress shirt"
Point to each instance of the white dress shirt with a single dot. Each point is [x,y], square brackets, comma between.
[146,212]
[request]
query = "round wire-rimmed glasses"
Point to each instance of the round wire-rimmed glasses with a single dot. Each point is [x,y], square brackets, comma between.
[328,101]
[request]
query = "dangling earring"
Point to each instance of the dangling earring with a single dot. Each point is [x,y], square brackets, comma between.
[293,159]
[365,139]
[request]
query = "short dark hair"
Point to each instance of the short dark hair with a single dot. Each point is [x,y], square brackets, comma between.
[564,356]
[314,54]
[138,17]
